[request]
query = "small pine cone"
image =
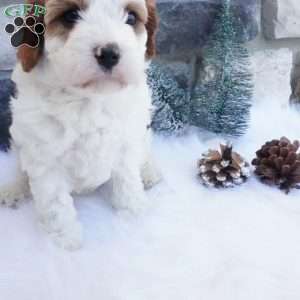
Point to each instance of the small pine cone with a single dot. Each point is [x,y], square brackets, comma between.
[278,163]
[223,168]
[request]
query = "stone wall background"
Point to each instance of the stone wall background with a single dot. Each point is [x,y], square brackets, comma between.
[186,24]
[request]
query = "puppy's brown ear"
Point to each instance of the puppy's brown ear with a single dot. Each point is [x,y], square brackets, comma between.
[30,56]
[151,27]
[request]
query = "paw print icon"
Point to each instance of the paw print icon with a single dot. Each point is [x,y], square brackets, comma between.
[25,31]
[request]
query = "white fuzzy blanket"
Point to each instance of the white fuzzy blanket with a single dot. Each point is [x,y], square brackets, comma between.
[193,243]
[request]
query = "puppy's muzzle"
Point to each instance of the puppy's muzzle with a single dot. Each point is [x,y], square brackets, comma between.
[108,57]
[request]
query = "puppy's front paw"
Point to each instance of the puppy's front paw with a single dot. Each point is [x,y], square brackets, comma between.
[12,196]
[10,202]
[150,175]
[69,239]
[136,204]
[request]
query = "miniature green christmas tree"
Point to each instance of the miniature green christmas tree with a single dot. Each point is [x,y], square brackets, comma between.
[170,100]
[221,101]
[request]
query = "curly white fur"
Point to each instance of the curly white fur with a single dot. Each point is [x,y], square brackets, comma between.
[76,127]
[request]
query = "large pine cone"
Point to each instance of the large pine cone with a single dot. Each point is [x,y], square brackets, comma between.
[223,168]
[278,162]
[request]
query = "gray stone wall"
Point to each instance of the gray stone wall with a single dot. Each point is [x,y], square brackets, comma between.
[185,25]
[281,19]
[281,29]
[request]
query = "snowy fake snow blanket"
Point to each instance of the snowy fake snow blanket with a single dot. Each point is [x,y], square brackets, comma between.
[193,243]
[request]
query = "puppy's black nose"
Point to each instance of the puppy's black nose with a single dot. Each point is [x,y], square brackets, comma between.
[108,57]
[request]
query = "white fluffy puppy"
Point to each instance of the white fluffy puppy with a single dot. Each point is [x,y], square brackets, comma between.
[83,107]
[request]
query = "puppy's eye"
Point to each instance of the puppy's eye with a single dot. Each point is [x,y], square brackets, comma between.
[71,16]
[131,18]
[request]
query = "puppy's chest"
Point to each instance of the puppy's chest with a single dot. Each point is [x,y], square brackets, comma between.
[90,141]
[90,159]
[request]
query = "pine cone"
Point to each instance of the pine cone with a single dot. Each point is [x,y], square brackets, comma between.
[223,168]
[278,162]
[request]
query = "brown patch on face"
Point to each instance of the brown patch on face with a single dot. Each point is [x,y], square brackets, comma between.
[29,57]
[151,27]
[139,10]
[55,11]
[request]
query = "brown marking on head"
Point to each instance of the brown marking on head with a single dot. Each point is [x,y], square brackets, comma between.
[139,9]
[29,57]
[55,11]
[151,27]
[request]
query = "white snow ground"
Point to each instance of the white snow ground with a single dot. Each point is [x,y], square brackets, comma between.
[192,244]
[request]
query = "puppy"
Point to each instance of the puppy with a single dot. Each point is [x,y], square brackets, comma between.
[81,117]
